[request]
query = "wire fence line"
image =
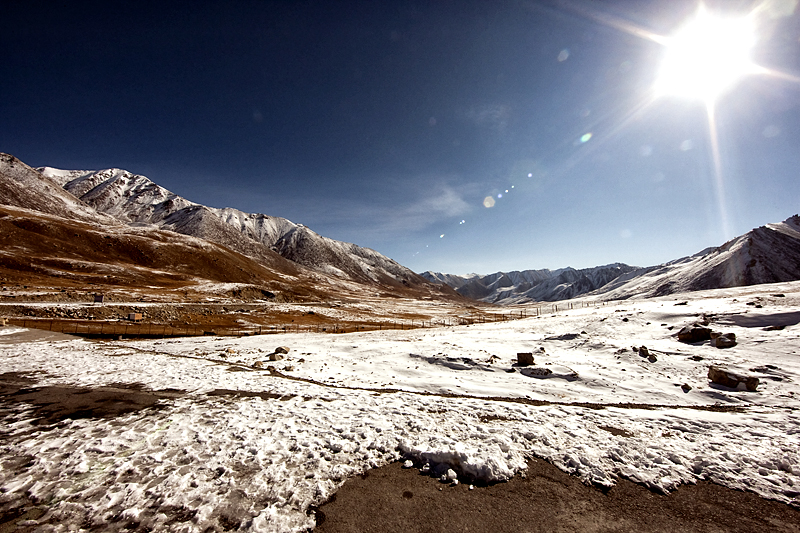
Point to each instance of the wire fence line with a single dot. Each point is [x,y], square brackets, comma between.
[116,329]
[131,329]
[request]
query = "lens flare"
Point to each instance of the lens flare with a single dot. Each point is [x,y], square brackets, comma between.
[488,202]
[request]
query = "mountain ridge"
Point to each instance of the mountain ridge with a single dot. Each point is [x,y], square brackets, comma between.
[135,199]
[767,254]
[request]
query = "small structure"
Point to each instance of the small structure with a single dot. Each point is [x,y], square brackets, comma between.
[135,317]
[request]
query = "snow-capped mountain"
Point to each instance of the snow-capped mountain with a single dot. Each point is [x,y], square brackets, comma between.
[768,254]
[532,285]
[135,199]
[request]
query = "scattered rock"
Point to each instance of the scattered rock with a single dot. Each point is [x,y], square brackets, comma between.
[408,464]
[282,350]
[694,333]
[652,358]
[524,358]
[723,340]
[696,358]
[541,372]
[644,352]
[686,387]
[258,364]
[493,359]
[731,379]
[288,368]
[230,350]
[449,477]
[774,328]
[276,357]
[682,303]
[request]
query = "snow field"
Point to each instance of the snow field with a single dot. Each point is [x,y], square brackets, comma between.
[259,462]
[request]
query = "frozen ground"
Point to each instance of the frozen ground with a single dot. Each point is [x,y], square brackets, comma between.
[253,449]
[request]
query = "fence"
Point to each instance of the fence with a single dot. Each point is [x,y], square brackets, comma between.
[104,329]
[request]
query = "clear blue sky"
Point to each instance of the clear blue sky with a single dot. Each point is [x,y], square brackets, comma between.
[388,124]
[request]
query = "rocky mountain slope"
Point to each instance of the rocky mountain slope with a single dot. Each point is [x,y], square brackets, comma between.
[768,254]
[127,232]
[135,199]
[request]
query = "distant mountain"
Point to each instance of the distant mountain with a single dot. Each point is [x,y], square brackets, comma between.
[135,199]
[532,285]
[768,254]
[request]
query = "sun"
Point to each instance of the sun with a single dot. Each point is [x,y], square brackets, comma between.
[706,57]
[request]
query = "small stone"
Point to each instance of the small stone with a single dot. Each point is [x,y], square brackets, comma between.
[282,349]
[472,487]
[723,340]
[652,358]
[258,364]
[276,357]
[230,350]
[644,352]
[288,368]
[686,387]
[408,464]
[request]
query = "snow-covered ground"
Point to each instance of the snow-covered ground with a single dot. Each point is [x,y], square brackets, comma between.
[445,398]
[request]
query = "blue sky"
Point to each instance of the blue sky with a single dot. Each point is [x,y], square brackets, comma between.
[388,124]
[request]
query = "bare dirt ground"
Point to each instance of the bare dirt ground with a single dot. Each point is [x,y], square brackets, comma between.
[393,499]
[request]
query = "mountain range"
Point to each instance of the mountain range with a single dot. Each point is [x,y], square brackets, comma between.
[53,221]
[111,228]
[767,254]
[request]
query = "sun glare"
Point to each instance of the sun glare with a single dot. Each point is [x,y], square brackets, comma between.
[706,57]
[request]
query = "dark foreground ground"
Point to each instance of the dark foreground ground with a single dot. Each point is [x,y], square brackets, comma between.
[393,499]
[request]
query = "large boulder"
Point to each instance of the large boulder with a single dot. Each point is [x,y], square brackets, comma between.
[524,358]
[727,378]
[694,333]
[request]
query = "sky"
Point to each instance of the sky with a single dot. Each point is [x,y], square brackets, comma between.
[452,136]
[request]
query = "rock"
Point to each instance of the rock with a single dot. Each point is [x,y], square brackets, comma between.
[694,333]
[3,322]
[723,340]
[652,358]
[449,477]
[258,364]
[493,359]
[271,368]
[686,387]
[542,372]
[408,464]
[276,357]
[288,368]
[643,351]
[524,358]
[282,349]
[230,350]
[731,379]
